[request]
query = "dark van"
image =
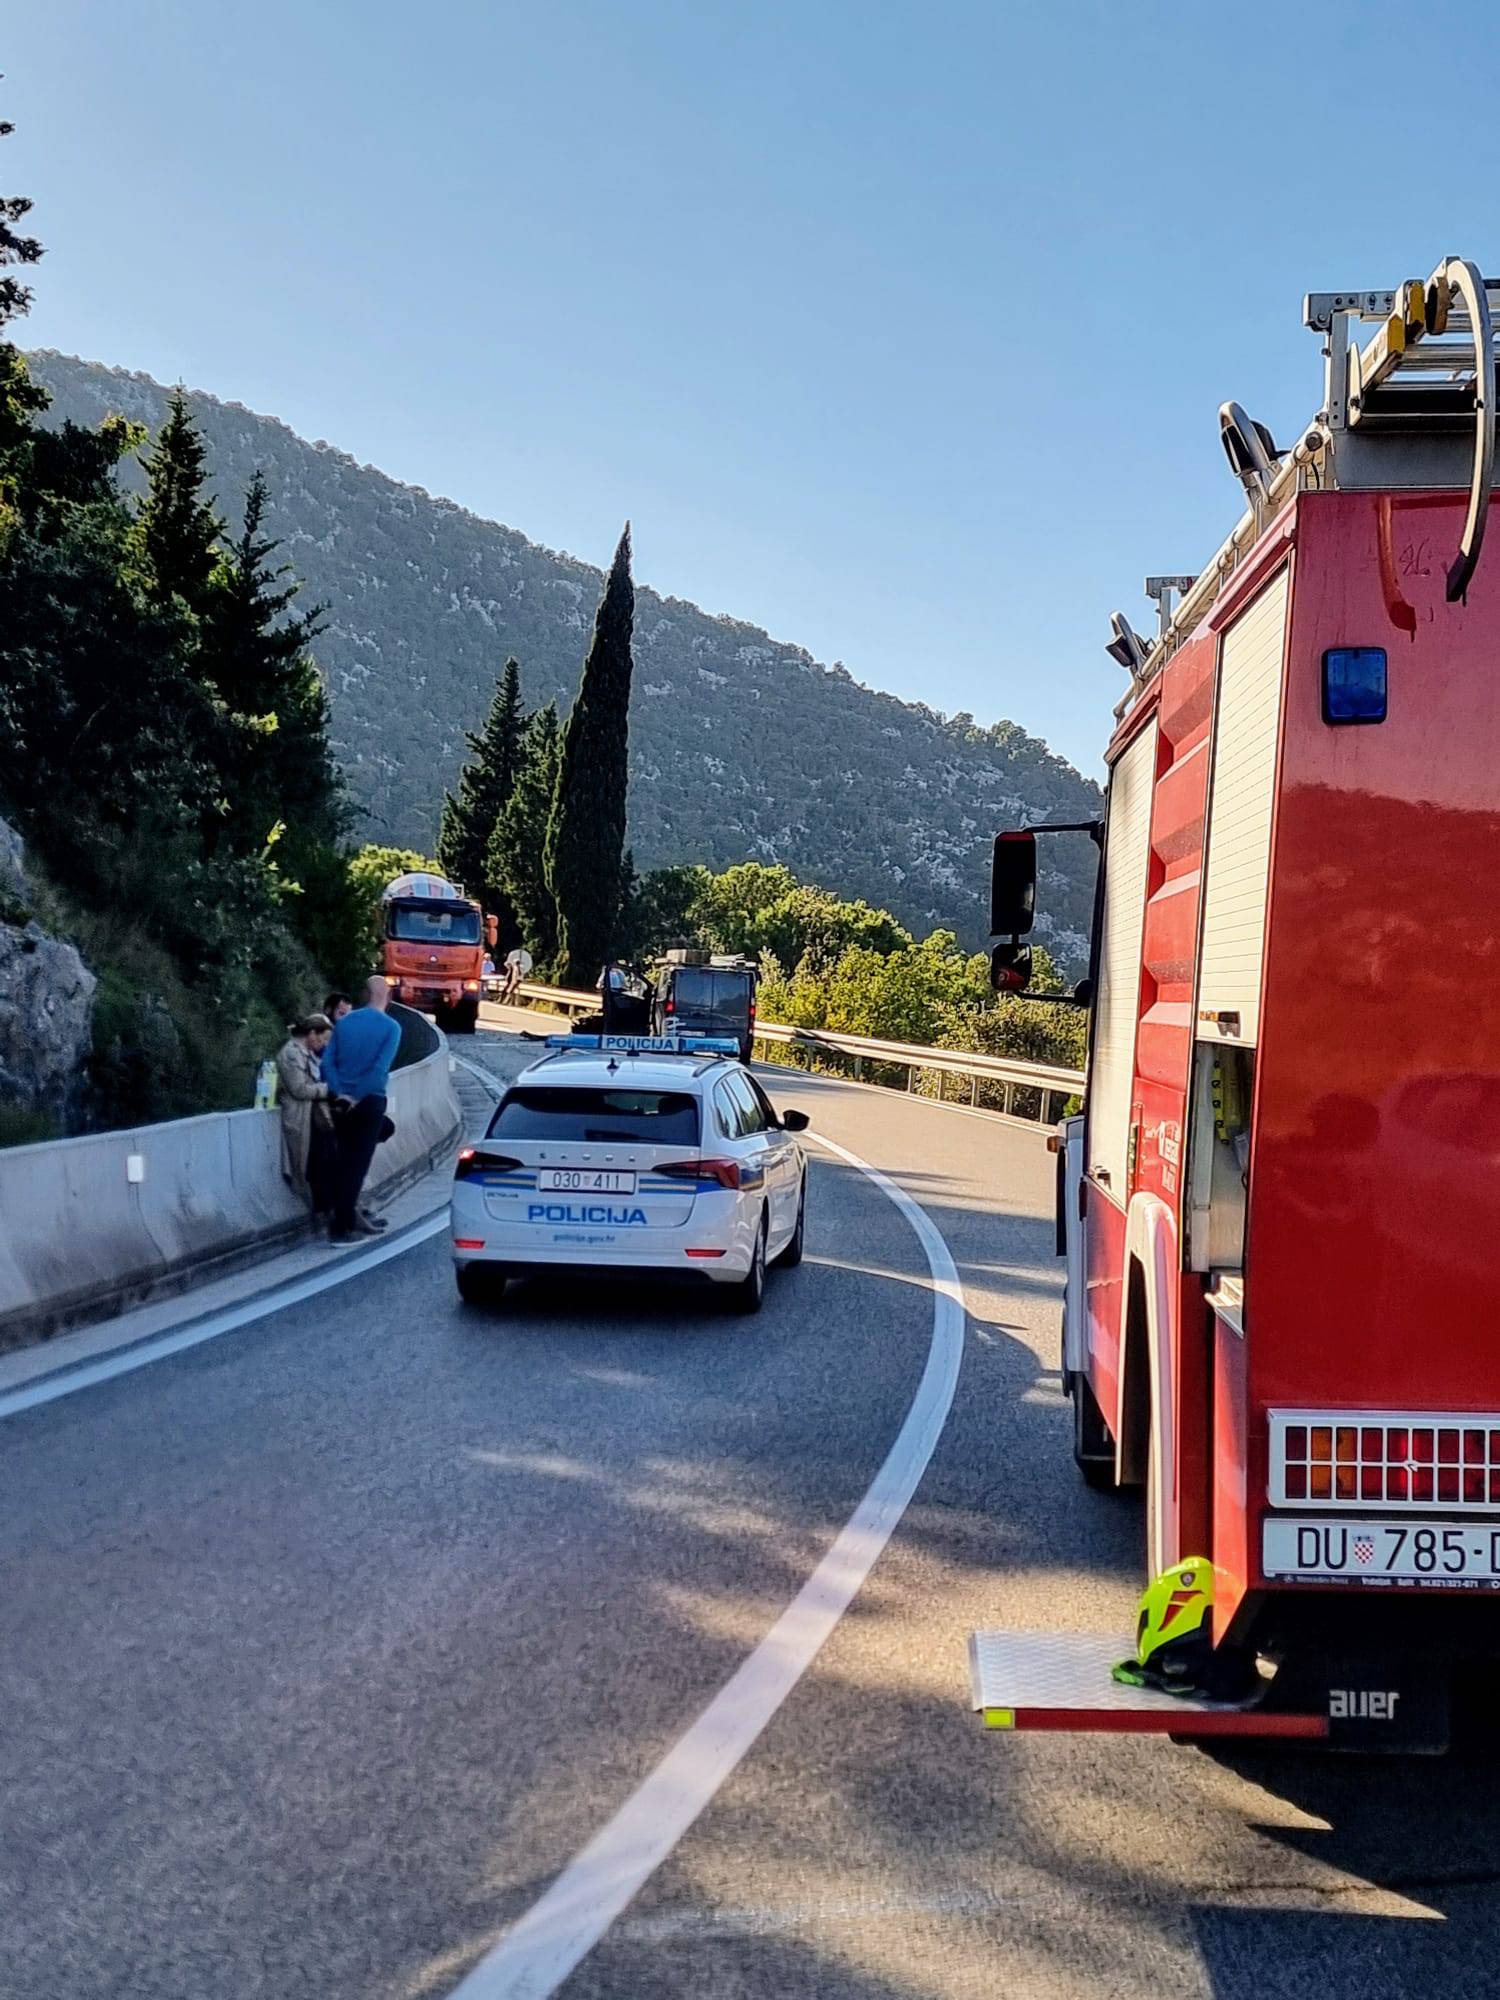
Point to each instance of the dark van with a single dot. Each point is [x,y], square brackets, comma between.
[712,998]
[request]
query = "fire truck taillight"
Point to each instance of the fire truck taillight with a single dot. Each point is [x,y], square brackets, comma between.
[1441,1462]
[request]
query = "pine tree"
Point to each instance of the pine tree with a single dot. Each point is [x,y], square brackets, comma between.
[253,658]
[484,785]
[177,532]
[516,853]
[21,399]
[15,298]
[586,829]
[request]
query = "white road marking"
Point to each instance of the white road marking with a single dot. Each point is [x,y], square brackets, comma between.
[68,1381]
[491,1082]
[538,1953]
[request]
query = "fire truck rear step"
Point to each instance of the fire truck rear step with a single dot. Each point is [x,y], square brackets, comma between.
[1061,1681]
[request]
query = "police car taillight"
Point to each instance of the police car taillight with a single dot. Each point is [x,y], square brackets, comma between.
[472,1161]
[718,1173]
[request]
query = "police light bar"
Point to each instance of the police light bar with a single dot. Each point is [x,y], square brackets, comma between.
[649,1045]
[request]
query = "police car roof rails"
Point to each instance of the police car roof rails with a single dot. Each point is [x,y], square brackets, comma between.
[648,1045]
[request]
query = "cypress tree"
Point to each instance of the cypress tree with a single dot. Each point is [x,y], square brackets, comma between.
[177,532]
[484,785]
[586,829]
[516,853]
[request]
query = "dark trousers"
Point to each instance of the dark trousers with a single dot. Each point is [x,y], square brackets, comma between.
[322,1166]
[358,1136]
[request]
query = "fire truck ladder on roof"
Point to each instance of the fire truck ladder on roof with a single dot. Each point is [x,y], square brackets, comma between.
[1396,413]
[1432,359]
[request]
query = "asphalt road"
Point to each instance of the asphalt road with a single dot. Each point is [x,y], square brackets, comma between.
[325,1645]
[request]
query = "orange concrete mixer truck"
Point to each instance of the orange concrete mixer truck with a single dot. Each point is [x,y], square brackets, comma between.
[432,949]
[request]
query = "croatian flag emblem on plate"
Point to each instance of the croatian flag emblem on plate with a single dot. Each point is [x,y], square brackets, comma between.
[1364,1550]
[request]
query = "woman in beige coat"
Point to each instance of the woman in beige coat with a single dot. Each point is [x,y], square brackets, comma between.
[306,1119]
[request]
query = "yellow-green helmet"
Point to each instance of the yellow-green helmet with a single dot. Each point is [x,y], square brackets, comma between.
[1174,1624]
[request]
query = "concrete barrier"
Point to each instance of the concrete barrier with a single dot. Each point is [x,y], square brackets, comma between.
[89,1226]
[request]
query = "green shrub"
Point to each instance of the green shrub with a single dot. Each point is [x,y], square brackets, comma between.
[20,1126]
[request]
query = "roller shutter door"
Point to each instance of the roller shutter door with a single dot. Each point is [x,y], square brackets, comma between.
[1239,817]
[1112,1069]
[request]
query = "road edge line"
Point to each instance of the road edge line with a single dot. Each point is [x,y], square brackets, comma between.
[124,1360]
[160,1346]
[541,1950]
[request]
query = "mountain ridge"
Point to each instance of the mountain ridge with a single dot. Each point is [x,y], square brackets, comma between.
[742,746]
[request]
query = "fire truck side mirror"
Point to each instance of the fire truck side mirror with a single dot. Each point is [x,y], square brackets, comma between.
[1010,967]
[1013,884]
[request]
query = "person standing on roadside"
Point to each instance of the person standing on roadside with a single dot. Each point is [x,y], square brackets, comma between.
[336,1006]
[611,987]
[517,968]
[356,1068]
[307,1149]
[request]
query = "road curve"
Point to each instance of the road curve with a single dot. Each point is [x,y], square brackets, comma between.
[328,1644]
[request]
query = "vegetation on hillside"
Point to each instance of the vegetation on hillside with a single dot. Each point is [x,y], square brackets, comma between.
[739,745]
[831,964]
[826,961]
[172,763]
[167,745]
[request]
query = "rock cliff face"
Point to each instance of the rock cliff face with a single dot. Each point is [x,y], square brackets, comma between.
[46,1003]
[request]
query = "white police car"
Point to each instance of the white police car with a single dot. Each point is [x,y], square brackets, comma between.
[659,1155]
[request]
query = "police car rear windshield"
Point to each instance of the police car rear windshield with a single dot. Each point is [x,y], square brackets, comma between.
[631,1117]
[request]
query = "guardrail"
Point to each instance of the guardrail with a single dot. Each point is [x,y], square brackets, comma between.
[93,1224]
[1001,1084]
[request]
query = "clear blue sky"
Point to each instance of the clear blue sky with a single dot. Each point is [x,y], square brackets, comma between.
[899,329]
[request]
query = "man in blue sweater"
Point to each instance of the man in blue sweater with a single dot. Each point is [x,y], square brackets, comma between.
[356,1068]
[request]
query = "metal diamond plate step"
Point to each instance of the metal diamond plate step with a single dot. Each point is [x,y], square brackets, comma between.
[1061,1680]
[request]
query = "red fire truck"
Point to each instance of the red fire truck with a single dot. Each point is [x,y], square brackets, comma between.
[1280,1209]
